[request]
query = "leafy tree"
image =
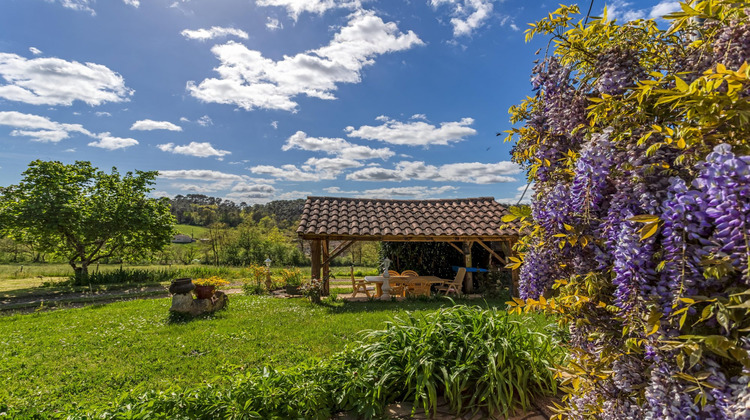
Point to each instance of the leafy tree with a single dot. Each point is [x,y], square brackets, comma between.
[637,143]
[83,214]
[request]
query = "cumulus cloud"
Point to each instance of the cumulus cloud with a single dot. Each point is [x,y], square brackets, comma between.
[102,114]
[249,80]
[275,125]
[467,15]
[417,192]
[109,142]
[200,174]
[35,51]
[196,149]
[134,3]
[213,32]
[297,7]
[246,191]
[335,146]
[40,128]
[155,125]
[468,172]
[623,10]
[292,173]
[415,133]
[293,195]
[54,81]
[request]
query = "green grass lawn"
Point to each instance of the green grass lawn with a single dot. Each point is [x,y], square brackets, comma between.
[197,232]
[91,355]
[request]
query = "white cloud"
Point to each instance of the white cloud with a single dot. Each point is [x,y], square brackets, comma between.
[273,24]
[293,173]
[53,81]
[208,187]
[468,172]
[417,192]
[213,32]
[297,7]
[200,175]
[623,10]
[71,150]
[415,133]
[275,125]
[102,114]
[514,27]
[78,5]
[293,195]
[249,80]
[35,51]
[467,15]
[134,3]
[183,119]
[40,128]
[194,149]
[248,192]
[335,146]
[205,121]
[523,193]
[413,117]
[113,143]
[155,125]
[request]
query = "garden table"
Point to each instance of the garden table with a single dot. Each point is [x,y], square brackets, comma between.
[380,283]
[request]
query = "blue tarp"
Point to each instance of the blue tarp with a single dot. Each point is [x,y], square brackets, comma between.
[470,269]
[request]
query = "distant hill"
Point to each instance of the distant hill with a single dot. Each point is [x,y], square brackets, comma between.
[202,210]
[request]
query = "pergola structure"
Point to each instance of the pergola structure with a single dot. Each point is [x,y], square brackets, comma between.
[459,222]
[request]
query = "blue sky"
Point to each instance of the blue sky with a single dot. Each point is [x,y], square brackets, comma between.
[259,100]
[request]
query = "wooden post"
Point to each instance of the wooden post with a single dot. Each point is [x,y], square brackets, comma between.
[315,257]
[469,279]
[326,268]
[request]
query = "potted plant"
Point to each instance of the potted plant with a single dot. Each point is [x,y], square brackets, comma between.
[205,287]
[292,280]
[312,289]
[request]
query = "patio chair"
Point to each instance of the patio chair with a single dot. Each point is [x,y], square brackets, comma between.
[418,288]
[453,286]
[392,273]
[398,288]
[410,273]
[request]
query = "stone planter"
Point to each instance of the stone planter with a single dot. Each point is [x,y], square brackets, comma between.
[181,286]
[292,290]
[204,292]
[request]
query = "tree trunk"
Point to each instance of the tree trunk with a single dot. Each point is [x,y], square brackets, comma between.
[81,272]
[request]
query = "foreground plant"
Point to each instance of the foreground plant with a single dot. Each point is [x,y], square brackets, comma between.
[478,360]
[637,144]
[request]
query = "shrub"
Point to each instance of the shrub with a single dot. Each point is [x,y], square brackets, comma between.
[478,359]
[292,276]
[637,144]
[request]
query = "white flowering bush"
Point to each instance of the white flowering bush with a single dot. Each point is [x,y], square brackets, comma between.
[638,236]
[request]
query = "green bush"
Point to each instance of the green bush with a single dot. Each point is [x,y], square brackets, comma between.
[135,275]
[477,359]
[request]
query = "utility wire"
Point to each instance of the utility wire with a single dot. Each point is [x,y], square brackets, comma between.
[591,5]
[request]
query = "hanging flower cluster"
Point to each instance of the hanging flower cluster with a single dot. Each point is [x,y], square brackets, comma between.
[638,144]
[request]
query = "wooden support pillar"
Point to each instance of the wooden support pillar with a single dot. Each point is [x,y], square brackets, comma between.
[469,279]
[326,268]
[315,259]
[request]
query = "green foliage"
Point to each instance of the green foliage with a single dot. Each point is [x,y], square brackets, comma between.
[84,215]
[90,356]
[292,276]
[477,359]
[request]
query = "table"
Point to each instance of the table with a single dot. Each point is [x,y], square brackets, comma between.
[383,286]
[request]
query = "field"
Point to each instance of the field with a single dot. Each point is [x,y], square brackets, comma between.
[93,354]
[196,232]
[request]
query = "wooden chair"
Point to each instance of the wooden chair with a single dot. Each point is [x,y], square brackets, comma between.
[418,288]
[359,286]
[392,273]
[455,285]
[398,288]
[410,273]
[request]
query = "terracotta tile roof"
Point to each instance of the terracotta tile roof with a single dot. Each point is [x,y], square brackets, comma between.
[463,217]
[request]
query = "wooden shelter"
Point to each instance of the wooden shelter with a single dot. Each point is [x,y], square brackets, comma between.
[459,222]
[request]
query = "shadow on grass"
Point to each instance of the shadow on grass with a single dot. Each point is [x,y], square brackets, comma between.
[411,304]
[176,318]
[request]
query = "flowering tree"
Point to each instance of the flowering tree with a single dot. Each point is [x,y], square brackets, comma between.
[638,236]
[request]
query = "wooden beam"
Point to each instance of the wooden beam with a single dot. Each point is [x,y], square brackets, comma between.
[515,274]
[315,259]
[493,253]
[457,247]
[469,279]
[338,250]
[326,268]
